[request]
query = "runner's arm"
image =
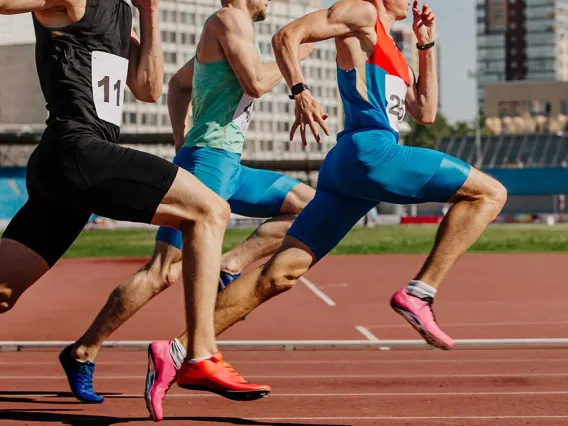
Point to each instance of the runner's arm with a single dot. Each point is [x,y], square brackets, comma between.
[236,36]
[146,59]
[14,7]
[345,18]
[179,100]
[422,96]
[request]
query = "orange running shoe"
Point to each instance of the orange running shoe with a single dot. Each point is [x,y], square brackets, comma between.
[217,376]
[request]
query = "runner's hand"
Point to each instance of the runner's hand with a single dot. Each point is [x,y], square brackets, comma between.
[306,49]
[145,4]
[424,24]
[308,113]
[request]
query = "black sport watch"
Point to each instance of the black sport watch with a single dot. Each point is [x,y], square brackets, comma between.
[297,89]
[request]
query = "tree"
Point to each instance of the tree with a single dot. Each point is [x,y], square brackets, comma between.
[462,128]
[428,135]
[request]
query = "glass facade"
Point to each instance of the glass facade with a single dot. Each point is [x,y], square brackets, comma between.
[521,40]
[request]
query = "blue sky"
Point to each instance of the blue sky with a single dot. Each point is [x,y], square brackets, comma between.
[456,36]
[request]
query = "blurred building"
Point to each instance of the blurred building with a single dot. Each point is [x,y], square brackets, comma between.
[521,40]
[526,107]
[181,22]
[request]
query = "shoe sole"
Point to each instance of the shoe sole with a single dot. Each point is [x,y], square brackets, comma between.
[77,397]
[232,395]
[150,379]
[417,325]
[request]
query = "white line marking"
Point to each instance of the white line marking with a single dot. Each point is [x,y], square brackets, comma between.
[337,361]
[338,285]
[328,395]
[327,300]
[14,187]
[413,418]
[326,376]
[365,332]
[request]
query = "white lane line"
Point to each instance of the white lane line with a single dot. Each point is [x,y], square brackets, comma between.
[365,332]
[328,376]
[328,395]
[383,395]
[341,361]
[327,300]
[412,418]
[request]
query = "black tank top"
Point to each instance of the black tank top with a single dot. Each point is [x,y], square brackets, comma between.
[82,70]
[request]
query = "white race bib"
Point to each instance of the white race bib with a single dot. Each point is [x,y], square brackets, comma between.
[109,73]
[243,113]
[395,89]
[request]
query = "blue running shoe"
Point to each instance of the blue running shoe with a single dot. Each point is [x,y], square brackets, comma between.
[225,279]
[80,377]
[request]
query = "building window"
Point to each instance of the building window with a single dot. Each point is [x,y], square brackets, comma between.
[538,107]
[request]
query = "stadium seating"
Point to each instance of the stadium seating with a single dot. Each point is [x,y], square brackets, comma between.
[510,151]
[13,192]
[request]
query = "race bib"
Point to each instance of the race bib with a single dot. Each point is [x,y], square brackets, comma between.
[243,113]
[395,89]
[109,73]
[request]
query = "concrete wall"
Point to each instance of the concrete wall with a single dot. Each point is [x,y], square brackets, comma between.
[21,99]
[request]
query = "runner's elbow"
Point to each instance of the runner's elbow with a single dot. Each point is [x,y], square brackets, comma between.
[281,39]
[148,91]
[149,96]
[426,116]
[255,89]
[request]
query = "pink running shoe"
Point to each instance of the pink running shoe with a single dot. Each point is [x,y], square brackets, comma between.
[161,375]
[420,315]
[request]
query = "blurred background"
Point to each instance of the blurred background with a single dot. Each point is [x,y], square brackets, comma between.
[503,74]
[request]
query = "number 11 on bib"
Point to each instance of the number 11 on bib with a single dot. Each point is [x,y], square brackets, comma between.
[109,73]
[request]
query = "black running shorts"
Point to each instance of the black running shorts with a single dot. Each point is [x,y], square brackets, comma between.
[67,182]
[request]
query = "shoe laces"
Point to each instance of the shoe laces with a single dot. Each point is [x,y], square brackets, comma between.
[430,301]
[236,376]
[85,375]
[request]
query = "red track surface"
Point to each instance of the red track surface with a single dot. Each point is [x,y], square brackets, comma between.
[485,296]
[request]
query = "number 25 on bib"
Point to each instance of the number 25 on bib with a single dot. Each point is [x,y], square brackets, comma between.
[109,73]
[395,89]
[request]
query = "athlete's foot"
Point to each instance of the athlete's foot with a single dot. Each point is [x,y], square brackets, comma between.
[80,377]
[225,279]
[217,376]
[419,314]
[159,378]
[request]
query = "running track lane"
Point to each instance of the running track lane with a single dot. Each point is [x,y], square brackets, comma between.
[485,296]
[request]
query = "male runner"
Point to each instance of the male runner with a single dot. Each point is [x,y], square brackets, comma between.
[86,53]
[222,82]
[367,165]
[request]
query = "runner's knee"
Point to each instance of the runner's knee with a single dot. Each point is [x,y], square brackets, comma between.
[212,211]
[492,193]
[496,192]
[297,199]
[280,276]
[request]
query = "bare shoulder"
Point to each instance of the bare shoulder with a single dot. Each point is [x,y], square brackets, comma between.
[355,13]
[231,21]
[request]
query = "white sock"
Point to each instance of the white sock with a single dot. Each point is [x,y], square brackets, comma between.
[196,360]
[420,289]
[178,353]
